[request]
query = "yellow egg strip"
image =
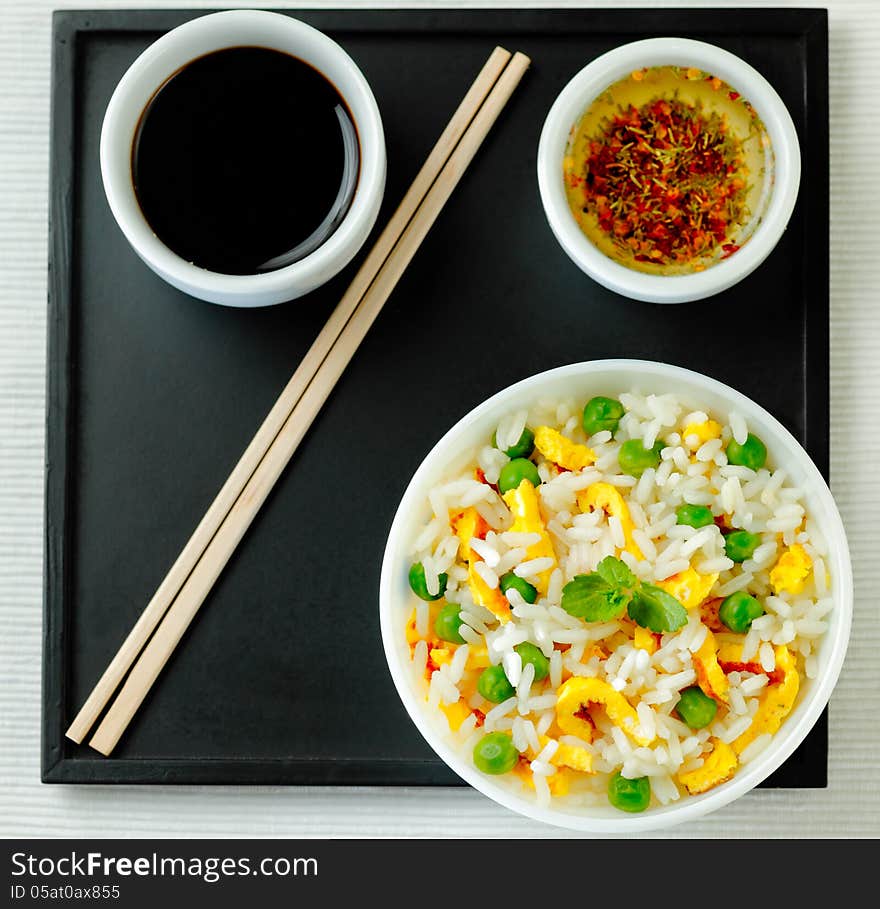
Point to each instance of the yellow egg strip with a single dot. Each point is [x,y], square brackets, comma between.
[644,639]
[791,570]
[466,525]
[456,714]
[776,702]
[689,587]
[718,767]
[562,451]
[605,497]
[710,676]
[558,783]
[573,700]
[526,511]
[575,757]
[703,431]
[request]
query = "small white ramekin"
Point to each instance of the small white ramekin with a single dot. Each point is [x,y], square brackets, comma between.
[582,381]
[237,28]
[577,96]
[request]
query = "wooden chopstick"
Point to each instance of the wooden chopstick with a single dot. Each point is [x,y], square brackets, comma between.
[198,584]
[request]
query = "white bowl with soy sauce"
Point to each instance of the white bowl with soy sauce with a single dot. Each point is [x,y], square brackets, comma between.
[243,157]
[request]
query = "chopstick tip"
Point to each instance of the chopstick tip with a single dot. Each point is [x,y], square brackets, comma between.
[103,741]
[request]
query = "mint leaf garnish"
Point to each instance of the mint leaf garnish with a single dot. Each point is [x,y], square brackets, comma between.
[652,607]
[591,597]
[616,572]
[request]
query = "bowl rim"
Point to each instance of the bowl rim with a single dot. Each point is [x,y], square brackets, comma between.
[692,807]
[206,34]
[602,72]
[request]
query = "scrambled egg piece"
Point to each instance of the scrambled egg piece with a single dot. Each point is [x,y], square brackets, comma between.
[478,658]
[731,660]
[689,587]
[468,524]
[710,675]
[456,713]
[412,635]
[440,655]
[606,497]
[575,757]
[709,614]
[776,702]
[490,597]
[645,639]
[718,767]
[562,451]
[574,698]
[523,503]
[791,570]
[558,783]
[572,756]
[703,431]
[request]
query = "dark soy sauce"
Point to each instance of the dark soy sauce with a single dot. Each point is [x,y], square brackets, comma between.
[245,160]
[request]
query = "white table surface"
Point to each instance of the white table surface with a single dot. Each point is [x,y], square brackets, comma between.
[849,807]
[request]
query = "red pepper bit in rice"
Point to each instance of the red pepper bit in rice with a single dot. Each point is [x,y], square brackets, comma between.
[773,678]
[481,478]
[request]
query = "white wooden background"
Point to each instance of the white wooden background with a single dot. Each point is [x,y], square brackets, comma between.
[850,807]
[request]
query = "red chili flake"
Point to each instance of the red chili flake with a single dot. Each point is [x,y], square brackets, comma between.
[728,249]
[722,524]
[583,713]
[481,478]
[733,95]
[649,157]
[774,677]
[480,716]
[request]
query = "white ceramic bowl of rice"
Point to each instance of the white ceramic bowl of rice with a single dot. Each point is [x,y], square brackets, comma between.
[786,503]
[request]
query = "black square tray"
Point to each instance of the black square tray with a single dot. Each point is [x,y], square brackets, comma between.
[152,396]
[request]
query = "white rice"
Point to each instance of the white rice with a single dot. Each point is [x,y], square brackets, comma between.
[512,663]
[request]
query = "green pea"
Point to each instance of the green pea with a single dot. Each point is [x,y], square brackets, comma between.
[448,622]
[752,453]
[515,471]
[694,515]
[739,610]
[629,795]
[635,459]
[420,588]
[602,413]
[495,753]
[529,653]
[740,544]
[493,685]
[510,581]
[696,708]
[521,449]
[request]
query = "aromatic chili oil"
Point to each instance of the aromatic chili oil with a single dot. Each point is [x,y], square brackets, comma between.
[669,170]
